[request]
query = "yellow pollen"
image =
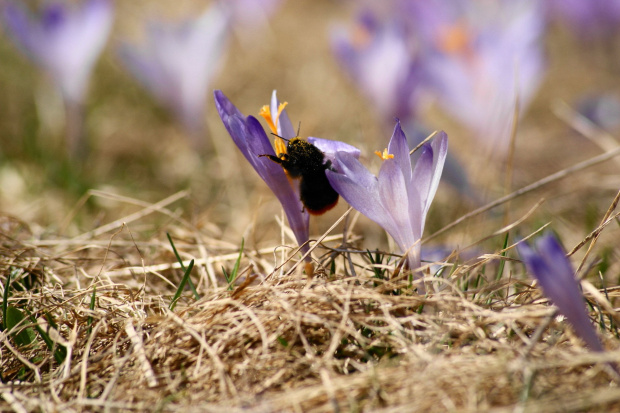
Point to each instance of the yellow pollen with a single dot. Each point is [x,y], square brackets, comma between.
[265,112]
[384,155]
[280,146]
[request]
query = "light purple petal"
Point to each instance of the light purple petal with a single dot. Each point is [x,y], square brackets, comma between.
[399,147]
[330,148]
[440,152]
[394,195]
[359,188]
[284,124]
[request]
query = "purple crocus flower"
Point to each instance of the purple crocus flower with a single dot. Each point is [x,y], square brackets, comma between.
[550,266]
[252,141]
[64,41]
[399,198]
[482,58]
[177,63]
[380,59]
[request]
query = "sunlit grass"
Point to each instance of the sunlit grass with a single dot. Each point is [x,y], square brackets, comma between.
[150,276]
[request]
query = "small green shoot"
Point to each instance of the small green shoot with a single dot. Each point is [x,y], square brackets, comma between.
[176,254]
[92,308]
[58,350]
[377,259]
[232,277]
[177,295]
[502,263]
[14,317]
[13,273]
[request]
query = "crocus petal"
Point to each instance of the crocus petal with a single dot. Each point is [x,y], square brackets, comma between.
[555,275]
[428,169]
[399,147]
[330,148]
[359,188]
[395,195]
[252,141]
[284,124]
[440,153]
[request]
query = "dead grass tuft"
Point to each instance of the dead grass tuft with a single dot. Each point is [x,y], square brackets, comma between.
[333,342]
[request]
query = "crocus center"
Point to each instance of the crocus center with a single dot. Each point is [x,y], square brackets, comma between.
[360,37]
[384,155]
[272,121]
[454,39]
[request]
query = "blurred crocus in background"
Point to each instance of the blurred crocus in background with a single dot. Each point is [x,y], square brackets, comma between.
[398,198]
[253,142]
[550,266]
[65,41]
[475,58]
[482,58]
[178,62]
[384,60]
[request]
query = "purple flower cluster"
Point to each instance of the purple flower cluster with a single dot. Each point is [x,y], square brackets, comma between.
[475,58]
[176,63]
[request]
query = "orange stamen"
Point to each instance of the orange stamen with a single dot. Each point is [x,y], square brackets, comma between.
[384,155]
[265,112]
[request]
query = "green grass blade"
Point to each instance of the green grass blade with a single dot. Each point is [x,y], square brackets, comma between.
[15,317]
[502,263]
[232,277]
[92,308]
[176,254]
[59,352]
[5,297]
[177,295]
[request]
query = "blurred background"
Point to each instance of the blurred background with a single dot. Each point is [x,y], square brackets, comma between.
[146,126]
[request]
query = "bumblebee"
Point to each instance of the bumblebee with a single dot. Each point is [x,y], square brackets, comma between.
[306,162]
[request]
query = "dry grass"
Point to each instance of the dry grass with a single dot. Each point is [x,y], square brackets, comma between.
[333,342]
[482,339]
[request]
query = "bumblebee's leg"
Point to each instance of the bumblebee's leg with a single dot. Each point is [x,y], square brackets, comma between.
[328,165]
[282,158]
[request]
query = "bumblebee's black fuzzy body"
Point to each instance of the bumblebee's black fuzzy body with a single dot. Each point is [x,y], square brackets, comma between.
[305,161]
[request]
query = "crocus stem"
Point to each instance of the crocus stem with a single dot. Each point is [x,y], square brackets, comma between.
[77,146]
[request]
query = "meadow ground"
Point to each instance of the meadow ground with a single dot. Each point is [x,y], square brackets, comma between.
[94,257]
